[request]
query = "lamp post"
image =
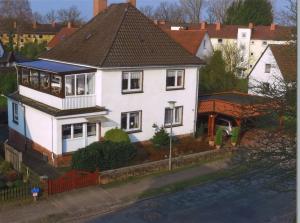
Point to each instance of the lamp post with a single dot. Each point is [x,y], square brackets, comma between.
[171,106]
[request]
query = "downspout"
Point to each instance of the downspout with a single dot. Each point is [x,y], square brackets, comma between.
[24,124]
[52,153]
[196,102]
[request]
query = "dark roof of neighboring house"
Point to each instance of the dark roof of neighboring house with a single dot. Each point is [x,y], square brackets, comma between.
[60,36]
[189,39]
[235,97]
[286,58]
[51,110]
[230,31]
[30,29]
[56,67]
[121,36]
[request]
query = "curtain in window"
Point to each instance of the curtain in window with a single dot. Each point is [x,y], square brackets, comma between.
[178,115]
[135,80]
[125,77]
[171,79]
[134,120]
[80,82]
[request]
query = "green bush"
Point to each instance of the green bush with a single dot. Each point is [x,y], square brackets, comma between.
[235,134]
[116,135]
[5,167]
[161,138]
[103,156]
[200,130]
[219,136]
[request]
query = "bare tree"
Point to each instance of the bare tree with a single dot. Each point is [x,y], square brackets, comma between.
[216,10]
[72,15]
[16,10]
[148,11]
[37,17]
[50,17]
[288,16]
[169,11]
[192,9]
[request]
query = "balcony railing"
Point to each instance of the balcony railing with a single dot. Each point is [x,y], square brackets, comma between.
[74,102]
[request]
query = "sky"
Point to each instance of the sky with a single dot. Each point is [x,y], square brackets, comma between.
[86,6]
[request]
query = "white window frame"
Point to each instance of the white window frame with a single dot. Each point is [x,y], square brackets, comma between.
[176,86]
[128,129]
[175,123]
[87,133]
[72,131]
[85,84]
[130,73]
[267,68]
[15,113]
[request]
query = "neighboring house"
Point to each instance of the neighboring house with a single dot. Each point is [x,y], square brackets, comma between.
[28,33]
[60,36]
[276,68]
[251,40]
[197,42]
[119,70]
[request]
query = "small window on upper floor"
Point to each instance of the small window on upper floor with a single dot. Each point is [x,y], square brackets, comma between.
[267,68]
[264,43]
[244,34]
[132,82]
[15,113]
[175,79]
[220,40]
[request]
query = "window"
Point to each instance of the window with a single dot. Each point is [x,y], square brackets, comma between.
[131,121]
[45,81]
[34,78]
[66,131]
[244,35]
[41,36]
[174,116]
[56,84]
[15,113]
[91,129]
[251,54]
[220,40]
[264,43]
[268,68]
[204,44]
[252,42]
[25,76]
[80,84]
[132,81]
[78,130]
[175,79]
[265,87]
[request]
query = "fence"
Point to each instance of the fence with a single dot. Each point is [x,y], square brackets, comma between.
[13,156]
[74,179]
[18,193]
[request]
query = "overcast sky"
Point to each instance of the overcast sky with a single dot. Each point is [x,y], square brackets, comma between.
[86,6]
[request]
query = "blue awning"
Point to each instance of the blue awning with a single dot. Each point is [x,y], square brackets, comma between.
[56,67]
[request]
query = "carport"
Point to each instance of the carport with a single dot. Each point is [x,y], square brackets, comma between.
[237,105]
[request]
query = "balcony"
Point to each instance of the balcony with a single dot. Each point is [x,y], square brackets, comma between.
[73,102]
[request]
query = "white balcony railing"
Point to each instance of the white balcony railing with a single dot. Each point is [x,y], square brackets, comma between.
[74,102]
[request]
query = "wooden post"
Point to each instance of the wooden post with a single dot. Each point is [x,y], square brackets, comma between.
[211,129]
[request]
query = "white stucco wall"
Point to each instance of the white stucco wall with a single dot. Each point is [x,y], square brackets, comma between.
[152,102]
[259,76]
[206,51]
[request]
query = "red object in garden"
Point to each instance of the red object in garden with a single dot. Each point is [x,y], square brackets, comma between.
[73,179]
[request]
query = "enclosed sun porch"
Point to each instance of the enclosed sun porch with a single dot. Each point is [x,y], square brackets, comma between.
[60,85]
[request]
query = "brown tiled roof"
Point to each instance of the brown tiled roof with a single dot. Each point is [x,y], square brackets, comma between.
[285,56]
[51,110]
[60,36]
[189,39]
[29,29]
[121,36]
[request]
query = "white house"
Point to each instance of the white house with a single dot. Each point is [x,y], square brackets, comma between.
[197,42]
[118,70]
[276,67]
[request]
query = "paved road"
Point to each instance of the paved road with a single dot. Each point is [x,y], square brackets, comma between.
[247,199]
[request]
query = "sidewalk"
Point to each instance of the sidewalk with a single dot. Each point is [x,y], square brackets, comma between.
[86,202]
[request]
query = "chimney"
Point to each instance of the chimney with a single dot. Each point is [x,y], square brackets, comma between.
[272,27]
[69,25]
[15,25]
[162,22]
[203,25]
[218,26]
[34,25]
[53,24]
[99,6]
[155,21]
[251,25]
[132,2]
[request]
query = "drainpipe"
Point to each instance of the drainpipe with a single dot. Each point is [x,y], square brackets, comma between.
[52,153]
[24,123]
[196,102]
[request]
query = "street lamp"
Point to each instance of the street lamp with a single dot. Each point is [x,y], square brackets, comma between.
[171,106]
